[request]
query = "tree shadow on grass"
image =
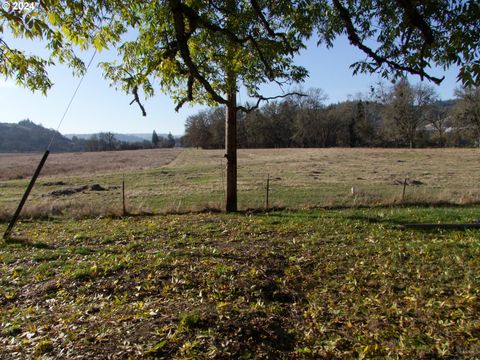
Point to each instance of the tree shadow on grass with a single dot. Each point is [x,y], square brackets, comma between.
[26,243]
[411,225]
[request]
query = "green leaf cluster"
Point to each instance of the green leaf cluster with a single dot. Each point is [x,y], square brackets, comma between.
[189,49]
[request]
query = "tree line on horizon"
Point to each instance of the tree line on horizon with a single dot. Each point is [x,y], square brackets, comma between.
[400,115]
[106,141]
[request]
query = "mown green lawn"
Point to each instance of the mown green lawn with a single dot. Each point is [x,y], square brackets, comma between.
[287,284]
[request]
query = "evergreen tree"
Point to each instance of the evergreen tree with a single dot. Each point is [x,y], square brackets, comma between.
[155,139]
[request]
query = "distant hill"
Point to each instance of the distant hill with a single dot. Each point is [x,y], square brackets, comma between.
[131,138]
[29,137]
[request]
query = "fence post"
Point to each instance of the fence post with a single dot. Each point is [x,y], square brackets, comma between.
[267,190]
[404,188]
[123,196]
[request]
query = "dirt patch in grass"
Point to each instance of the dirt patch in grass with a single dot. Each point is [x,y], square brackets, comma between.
[78,189]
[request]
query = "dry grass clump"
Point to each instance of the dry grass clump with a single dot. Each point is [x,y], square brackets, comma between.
[74,210]
[5,213]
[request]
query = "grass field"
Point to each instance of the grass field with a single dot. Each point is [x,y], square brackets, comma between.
[160,181]
[305,282]
[21,166]
[286,284]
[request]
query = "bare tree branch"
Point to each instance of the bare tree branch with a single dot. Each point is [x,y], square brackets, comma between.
[263,98]
[137,100]
[189,96]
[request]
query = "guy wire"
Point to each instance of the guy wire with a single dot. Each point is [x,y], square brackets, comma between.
[71,99]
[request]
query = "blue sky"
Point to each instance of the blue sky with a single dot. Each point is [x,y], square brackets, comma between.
[98,107]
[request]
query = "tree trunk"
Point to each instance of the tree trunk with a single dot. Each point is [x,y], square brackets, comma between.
[412,138]
[231,150]
[231,127]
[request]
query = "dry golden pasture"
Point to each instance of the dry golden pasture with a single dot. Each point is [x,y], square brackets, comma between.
[190,179]
[20,166]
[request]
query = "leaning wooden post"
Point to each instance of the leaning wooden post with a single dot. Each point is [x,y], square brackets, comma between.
[14,220]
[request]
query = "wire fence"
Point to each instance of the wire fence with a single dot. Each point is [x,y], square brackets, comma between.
[193,180]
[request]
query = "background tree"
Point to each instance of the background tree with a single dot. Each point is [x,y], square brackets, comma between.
[309,126]
[400,119]
[92,144]
[107,141]
[197,133]
[405,111]
[170,140]
[336,125]
[256,124]
[467,111]
[155,139]
[217,127]
[439,118]
[272,125]
[362,128]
